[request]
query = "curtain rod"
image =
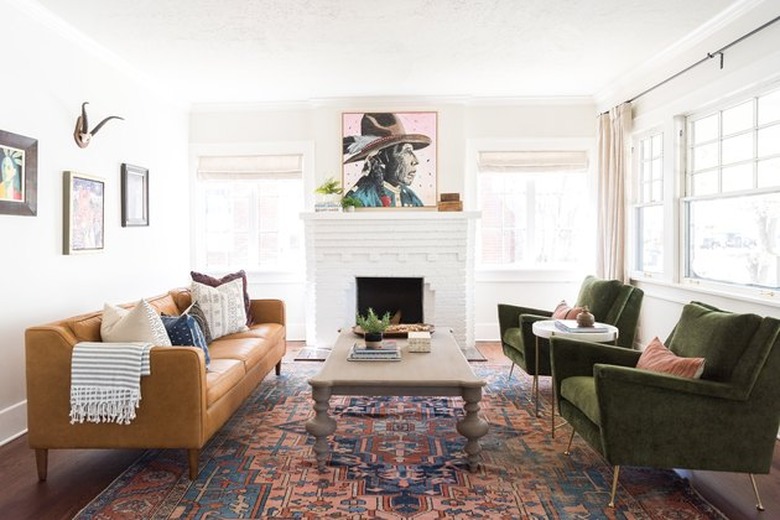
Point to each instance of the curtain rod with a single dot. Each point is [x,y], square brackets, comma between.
[709,56]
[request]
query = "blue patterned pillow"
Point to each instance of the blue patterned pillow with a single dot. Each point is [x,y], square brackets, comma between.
[185,331]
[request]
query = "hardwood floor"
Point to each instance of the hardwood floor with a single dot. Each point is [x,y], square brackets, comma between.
[77,476]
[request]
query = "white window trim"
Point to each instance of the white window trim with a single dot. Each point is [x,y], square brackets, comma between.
[471,199]
[631,223]
[304,148]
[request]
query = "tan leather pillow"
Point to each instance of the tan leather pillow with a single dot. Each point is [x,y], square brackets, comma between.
[564,312]
[657,358]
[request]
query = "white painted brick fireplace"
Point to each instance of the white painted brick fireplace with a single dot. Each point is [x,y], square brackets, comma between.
[435,246]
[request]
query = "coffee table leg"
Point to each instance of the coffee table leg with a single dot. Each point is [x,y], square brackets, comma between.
[472,426]
[321,425]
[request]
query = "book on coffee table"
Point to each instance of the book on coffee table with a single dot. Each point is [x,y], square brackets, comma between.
[359,352]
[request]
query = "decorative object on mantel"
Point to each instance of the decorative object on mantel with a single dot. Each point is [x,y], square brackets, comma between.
[81,133]
[390,158]
[350,203]
[18,175]
[450,202]
[373,326]
[84,214]
[135,195]
[328,195]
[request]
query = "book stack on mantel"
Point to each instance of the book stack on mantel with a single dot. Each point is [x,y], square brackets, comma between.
[388,352]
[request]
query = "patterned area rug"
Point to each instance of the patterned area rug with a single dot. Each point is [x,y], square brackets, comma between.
[391,458]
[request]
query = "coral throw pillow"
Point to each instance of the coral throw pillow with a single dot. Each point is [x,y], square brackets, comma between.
[657,358]
[564,312]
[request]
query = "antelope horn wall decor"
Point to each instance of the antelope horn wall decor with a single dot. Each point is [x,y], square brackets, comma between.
[82,134]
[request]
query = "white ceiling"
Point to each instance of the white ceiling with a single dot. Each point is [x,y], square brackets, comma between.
[234,51]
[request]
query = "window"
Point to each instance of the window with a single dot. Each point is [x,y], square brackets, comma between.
[249,213]
[533,213]
[732,207]
[648,204]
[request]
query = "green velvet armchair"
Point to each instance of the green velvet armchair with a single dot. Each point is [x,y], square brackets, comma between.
[610,301]
[726,421]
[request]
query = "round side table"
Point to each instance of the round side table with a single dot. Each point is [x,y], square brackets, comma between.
[601,333]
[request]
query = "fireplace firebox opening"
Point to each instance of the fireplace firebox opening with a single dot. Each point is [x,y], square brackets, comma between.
[401,297]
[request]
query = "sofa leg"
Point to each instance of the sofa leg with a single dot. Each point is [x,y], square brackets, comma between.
[759,505]
[614,487]
[192,457]
[42,463]
[278,368]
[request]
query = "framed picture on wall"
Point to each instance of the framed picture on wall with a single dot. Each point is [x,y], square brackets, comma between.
[18,174]
[135,195]
[389,158]
[84,214]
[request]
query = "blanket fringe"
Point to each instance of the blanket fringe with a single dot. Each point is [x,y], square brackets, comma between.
[98,405]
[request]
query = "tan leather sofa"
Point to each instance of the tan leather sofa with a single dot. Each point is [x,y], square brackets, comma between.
[182,404]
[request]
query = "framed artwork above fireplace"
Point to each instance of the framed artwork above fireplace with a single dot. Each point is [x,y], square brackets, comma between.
[389,158]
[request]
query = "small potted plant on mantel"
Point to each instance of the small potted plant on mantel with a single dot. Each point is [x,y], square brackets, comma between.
[329,192]
[349,203]
[373,327]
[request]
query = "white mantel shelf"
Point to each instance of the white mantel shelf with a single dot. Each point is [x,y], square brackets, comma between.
[435,246]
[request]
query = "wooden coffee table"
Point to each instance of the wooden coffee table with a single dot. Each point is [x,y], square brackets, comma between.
[442,372]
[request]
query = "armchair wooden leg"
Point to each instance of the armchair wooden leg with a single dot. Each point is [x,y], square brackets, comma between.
[568,446]
[759,505]
[614,487]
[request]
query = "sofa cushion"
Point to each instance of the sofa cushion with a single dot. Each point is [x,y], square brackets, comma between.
[718,336]
[222,306]
[273,332]
[184,331]
[141,323]
[221,377]
[581,392]
[247,350]
[216,282]
[196,312]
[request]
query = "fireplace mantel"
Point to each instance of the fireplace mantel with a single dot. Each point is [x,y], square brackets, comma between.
[435,246]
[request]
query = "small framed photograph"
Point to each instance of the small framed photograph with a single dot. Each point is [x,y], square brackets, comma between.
[84,213]
[18,175]
[135,195]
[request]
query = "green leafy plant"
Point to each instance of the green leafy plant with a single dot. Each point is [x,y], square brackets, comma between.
[330,187]
[373,323]
[350,201]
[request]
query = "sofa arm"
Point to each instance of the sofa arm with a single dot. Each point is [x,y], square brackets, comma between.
[268,311]
[173,406]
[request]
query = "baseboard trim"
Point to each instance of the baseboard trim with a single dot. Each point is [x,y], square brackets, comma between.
[13,422]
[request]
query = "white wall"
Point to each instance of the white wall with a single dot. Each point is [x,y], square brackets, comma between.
[48,74]
[460,123]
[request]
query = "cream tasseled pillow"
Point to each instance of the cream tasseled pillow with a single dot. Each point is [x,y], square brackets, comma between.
[222,306]
[141,323]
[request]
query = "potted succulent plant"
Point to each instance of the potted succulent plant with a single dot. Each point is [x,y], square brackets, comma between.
[349,203]
[373,327]
[329,192]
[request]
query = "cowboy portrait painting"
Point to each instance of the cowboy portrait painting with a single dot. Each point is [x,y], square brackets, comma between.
[389,159]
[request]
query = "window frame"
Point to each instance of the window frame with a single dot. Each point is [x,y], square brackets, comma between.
[685,145]
[637,203]
[514,273]
[197,210]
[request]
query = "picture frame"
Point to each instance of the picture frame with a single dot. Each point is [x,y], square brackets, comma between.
[18,174]
[135,195]
[389,159]
[84,213]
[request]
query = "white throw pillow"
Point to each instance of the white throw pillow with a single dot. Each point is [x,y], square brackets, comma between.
[141,323]
[223,306]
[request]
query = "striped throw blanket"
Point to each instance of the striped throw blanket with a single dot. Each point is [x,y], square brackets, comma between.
[105,384]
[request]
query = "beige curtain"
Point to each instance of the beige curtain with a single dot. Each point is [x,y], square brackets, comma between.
[613,132]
